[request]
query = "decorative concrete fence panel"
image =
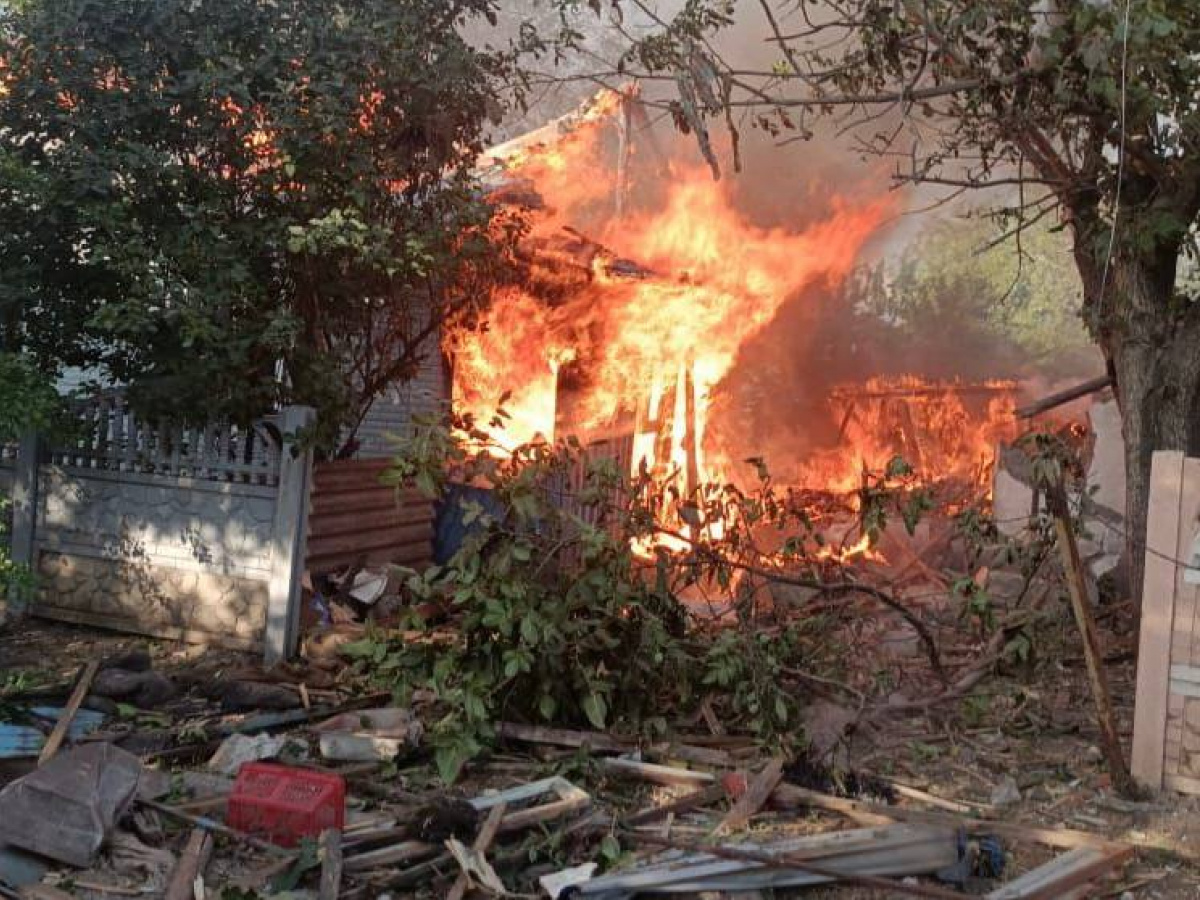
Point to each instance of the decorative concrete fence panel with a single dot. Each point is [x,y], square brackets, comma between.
[189,533]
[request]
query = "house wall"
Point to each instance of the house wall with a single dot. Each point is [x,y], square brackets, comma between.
[391,415]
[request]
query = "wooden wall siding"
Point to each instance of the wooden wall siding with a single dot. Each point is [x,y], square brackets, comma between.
[1166,742]
[356,520]
[566,493]
[390,416]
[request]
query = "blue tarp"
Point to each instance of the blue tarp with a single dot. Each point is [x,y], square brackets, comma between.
[449,528]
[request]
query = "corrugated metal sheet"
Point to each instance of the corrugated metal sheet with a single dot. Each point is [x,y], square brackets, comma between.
[356,520]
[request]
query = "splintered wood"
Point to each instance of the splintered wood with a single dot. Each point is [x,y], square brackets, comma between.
[1166,739]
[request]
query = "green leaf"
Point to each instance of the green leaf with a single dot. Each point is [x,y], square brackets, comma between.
[595,709]
[610,848]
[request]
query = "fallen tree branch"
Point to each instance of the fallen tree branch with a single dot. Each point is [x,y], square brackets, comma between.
[824,588]
[1062,397]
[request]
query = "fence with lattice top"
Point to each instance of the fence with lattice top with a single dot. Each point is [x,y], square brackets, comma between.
[109,436]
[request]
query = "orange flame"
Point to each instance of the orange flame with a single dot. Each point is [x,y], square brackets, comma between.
[650,340]
[859,549]
[632,328]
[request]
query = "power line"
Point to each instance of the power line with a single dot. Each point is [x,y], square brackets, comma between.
[1112,232]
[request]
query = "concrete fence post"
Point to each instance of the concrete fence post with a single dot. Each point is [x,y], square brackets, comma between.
[289,537]
[24,515]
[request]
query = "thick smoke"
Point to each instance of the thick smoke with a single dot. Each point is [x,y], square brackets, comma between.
[775,402]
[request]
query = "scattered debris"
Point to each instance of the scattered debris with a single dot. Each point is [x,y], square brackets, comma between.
[557,883]
[476,871]
[191,866]
[1005,793]
[330,850]
[142,689]
[238,749]
[246,696]
[62,726]
[26,740]
[66,809]
[369,734]
[368,586]
[857,854]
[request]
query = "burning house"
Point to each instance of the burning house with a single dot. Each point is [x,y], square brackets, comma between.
[643,287]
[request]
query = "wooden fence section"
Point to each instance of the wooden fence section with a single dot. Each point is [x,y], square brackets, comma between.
[355,520]
[109,437]
[1166,738]
[566,494]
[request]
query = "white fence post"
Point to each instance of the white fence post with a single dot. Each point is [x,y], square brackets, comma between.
[24,515]
[289,537]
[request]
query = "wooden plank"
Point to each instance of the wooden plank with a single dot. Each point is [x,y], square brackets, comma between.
[327,502]
[330,849]
[1110,739]
[483,843]
[757,792]
[190,866]
[1183,688]
[1185,673]
[714,793]
[1182,783]
[1098,383]
[1055,879]
[1187,604]
[1158,606]
[657,774]
[604,743]
[59,734]
[414,556]
[405,851]
[362,521]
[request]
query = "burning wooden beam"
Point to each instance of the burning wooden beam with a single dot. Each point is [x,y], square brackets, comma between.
[923,390]
[1063,397]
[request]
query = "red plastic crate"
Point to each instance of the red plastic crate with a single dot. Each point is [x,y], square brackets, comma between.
[283,804]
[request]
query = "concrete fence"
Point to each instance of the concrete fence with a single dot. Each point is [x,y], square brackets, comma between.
[189,533]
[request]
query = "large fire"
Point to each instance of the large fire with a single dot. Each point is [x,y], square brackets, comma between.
[631,328]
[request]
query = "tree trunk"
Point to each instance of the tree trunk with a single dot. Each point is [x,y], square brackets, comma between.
[1152,344]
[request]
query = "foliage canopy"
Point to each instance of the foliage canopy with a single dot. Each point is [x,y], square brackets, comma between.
[232,204]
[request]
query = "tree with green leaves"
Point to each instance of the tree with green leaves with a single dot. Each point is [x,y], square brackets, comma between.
[229,205]
[28,402]
[1083,113]
[953,287]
